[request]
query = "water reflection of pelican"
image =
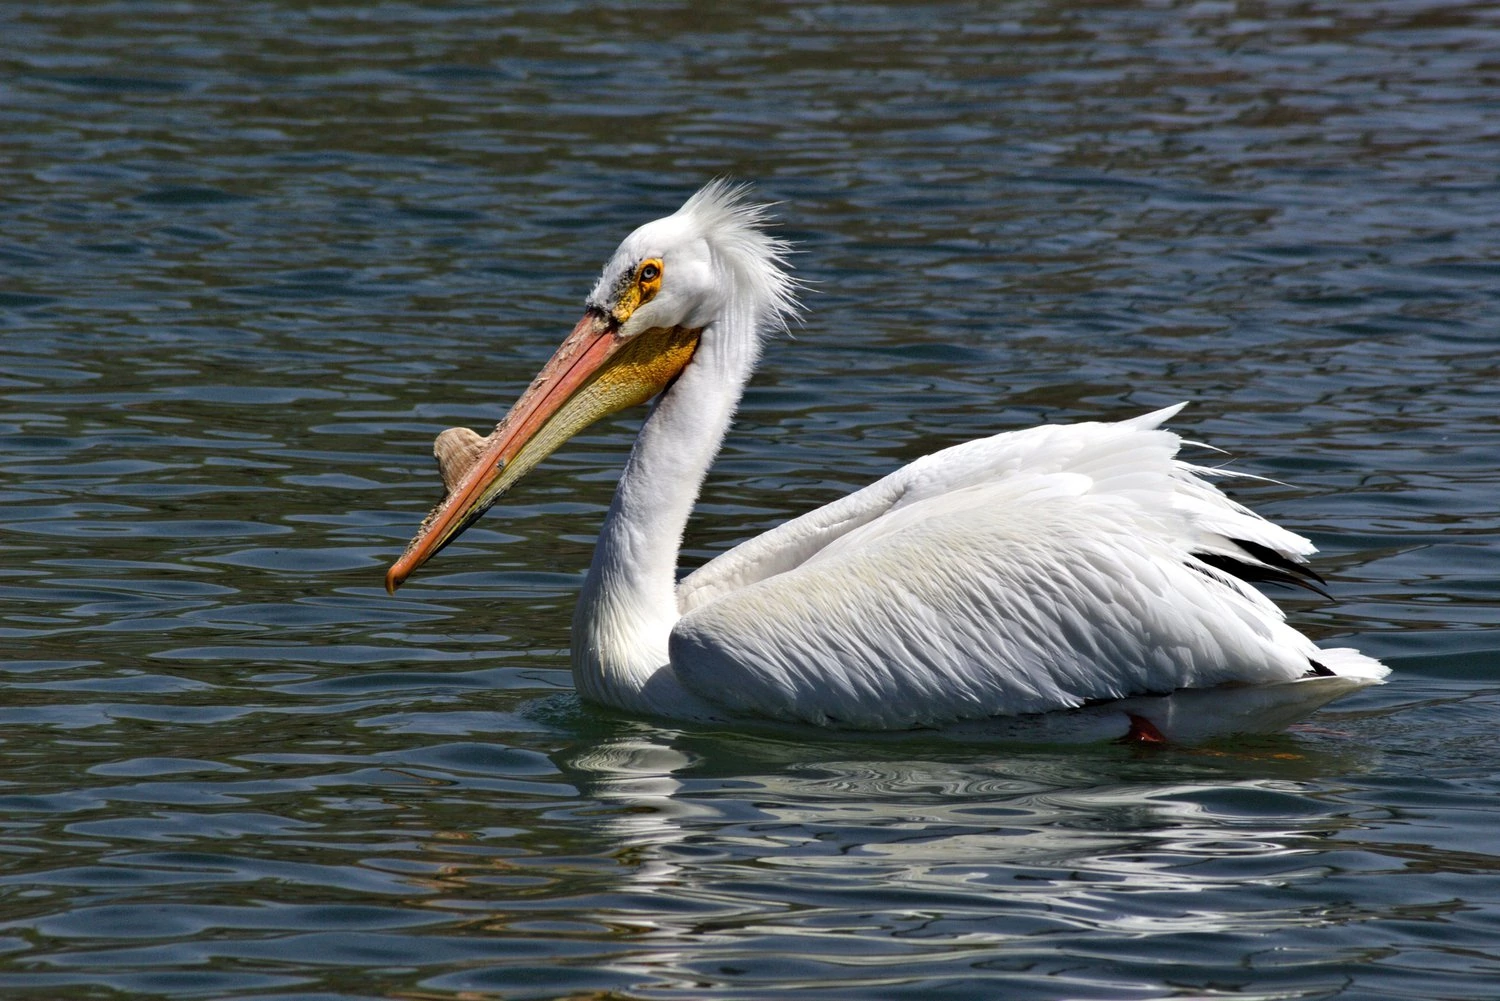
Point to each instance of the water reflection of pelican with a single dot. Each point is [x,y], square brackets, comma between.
[1068,834]
[1033,571]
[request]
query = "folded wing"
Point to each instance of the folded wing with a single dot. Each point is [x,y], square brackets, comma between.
[1027,572]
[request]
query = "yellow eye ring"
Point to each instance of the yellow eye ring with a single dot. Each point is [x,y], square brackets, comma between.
[643,289]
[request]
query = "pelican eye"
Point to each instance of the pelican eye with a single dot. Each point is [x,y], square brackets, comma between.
[635,292]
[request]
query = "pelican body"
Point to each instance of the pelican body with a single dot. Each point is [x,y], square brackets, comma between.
[1048,569]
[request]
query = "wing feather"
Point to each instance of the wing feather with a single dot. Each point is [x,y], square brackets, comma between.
[1046,448]
[1031,571]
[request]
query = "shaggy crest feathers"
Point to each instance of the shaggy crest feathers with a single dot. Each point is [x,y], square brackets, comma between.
[735,228]
[718,227]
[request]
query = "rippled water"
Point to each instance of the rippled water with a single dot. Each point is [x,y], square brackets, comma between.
[253,256]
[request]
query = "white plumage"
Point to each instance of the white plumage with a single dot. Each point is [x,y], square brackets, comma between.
[1028,572]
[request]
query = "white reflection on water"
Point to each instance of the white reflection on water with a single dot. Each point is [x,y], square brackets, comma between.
[1028,844]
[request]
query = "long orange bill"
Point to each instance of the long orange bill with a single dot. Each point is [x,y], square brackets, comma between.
[594,373]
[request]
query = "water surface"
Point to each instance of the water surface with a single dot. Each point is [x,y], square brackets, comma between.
[254,256]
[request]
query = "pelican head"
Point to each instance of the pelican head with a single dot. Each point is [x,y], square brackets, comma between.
[666,289]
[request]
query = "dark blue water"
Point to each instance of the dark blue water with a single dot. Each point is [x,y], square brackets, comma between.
[253,256]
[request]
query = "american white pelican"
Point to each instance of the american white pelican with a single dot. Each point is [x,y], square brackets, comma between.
[1036,570]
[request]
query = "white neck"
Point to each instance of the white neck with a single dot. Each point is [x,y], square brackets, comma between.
[628,604]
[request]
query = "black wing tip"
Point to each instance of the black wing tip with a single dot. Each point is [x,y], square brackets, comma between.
[1319,670]
[1271,557]
[1266,566]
